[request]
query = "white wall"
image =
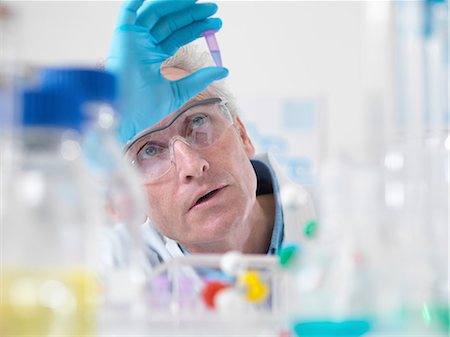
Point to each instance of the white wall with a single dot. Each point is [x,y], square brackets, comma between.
[61,32]
[272,48]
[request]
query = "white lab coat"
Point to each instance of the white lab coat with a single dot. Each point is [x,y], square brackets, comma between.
[296,205]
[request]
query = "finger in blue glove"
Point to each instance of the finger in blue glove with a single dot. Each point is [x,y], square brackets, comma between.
[147,34]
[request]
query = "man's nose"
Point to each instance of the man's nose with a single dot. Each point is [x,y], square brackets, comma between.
[188,162]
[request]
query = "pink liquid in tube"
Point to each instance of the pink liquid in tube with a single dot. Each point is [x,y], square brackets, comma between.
[213,47]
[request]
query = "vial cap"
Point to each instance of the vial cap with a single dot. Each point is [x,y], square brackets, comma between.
[51,108]
[90,84]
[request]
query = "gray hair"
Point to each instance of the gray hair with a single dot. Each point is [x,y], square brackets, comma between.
[190,59]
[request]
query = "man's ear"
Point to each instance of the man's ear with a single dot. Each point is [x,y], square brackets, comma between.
[248,145]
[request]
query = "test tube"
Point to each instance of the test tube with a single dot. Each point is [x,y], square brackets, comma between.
[213,47]
[160,294]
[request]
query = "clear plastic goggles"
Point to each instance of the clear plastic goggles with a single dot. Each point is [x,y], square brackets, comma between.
[199,125]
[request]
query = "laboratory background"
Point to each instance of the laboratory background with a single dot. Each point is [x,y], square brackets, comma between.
[352,100]
[306,55]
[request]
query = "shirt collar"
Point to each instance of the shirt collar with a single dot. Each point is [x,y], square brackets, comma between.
[267,184]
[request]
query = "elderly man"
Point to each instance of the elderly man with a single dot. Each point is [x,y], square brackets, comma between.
[207,191]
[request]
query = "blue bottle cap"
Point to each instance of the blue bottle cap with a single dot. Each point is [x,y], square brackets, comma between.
[91,84]
[51,108]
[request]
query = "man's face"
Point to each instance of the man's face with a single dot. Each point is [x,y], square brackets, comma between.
[208,194]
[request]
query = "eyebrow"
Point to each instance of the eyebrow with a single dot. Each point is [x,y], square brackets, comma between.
[173,119]
[156,142]
[184,123]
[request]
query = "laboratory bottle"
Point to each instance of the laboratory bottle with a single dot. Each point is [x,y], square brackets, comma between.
[416,232]
[437,154]
[118,183]
[416,167]
[50,225]
[118,180]
[334,281]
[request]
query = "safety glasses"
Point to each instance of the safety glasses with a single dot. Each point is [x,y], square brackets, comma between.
[199,125]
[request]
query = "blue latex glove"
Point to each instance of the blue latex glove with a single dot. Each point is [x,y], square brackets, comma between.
[147,34]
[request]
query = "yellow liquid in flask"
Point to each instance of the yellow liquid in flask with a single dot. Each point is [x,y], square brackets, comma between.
[44,302]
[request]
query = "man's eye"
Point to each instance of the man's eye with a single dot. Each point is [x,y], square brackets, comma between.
[198,121]
[149,151]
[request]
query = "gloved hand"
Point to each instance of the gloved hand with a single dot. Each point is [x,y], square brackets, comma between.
[147,34]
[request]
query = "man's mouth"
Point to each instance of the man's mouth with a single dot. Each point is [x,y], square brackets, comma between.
[206,197]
